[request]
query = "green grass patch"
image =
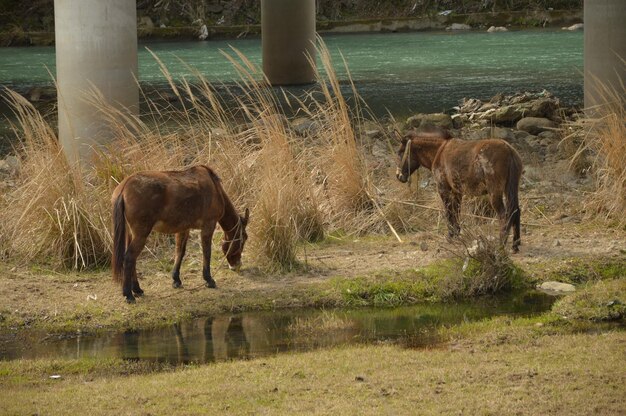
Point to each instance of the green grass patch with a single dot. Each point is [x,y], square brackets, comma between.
[33,372]
[385,290]
[604,300]
[445,280]
[582,270]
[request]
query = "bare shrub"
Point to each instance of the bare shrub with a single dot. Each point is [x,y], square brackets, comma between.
[604,139]
[51,215]
[59,211]
[481,266]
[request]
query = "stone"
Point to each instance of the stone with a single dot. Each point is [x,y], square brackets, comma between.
[459,26]
[304,126]
[502,133]
[204,33]
[548,135]
[556,287]
[470,105]
[577,26]
[480,134]
[522,135]
[371,130]
[9,166]
[146,22]
[535,125]
[544,107]
[423,246]
[494,29]
[506,114]
[435,119]
[37,94]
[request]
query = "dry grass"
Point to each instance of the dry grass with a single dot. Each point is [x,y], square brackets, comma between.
[604,140]
[485,267]
[52,214]
[297,190]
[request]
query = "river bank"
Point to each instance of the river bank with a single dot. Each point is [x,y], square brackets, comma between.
[514,20]
[541,365]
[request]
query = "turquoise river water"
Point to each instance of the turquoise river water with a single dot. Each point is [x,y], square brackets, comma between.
[397,72]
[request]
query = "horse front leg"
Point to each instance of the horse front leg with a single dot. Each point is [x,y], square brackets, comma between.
[181,247]
[206,234]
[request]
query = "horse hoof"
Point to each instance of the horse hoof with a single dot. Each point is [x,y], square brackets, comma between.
[177,285]
[138,293]
[211,284]
[130,299]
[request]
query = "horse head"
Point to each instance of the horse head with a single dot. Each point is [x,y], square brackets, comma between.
[234,241]
[407,163]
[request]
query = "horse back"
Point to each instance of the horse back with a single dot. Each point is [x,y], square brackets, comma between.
[477,167]
[172,201]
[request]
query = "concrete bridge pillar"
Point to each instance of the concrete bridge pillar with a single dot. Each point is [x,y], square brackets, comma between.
[605,47]
[96,47]
[288,37]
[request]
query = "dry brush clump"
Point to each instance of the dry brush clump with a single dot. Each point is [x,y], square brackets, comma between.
[51,215]
[481,266]
[297,189]
[604,139]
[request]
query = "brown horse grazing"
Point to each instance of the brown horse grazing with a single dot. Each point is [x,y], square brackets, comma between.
[172,202]
[462,167]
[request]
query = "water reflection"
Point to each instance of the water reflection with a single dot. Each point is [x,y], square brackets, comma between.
[249,335]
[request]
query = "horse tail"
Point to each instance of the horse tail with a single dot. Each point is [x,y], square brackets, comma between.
[513,213]
[119,238]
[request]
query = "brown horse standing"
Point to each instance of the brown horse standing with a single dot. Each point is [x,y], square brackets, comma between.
[462,167]
[172,202]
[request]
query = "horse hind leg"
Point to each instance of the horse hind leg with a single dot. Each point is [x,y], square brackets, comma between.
[498,206]
[135,282]
[130,283]
[452,203]
[514,222]
[181,247]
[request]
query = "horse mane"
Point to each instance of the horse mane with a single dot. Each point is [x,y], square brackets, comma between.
[212,173]
[430,130]
[430,134]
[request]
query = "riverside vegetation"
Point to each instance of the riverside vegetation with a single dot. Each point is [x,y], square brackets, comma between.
[32,23]
[330,226]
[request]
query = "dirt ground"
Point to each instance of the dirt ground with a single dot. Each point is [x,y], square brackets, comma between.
[555,232]
[34,296]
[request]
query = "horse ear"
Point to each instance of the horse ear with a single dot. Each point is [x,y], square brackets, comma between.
[246,216]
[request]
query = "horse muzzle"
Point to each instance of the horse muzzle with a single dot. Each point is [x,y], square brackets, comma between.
[401,176]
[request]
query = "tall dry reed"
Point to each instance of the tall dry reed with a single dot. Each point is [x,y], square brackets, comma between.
[61,213]
[52,215]
[604,139]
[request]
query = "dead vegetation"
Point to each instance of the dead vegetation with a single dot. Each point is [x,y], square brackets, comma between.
[298,190]
[299,187]
[602,152]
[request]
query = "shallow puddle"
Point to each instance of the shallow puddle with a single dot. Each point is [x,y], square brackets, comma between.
[255,334]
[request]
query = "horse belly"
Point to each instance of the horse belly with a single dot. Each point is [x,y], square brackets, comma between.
[170,227]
